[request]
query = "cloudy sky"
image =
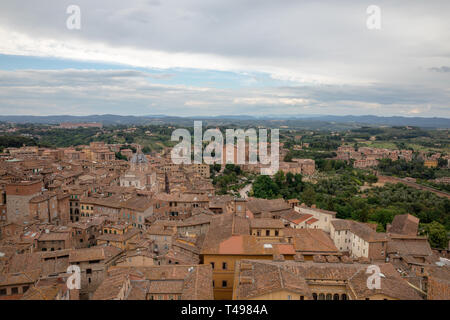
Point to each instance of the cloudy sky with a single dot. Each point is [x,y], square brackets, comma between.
[224,57]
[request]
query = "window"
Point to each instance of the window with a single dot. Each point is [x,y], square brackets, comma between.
[276,233]
[314,296]
[88,271]
[302,297]
[267,233]
[224,284]
[335,296]
[212,265]
[2,292]
[224,266]
[15,290]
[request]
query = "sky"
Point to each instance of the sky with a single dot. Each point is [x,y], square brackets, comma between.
[225,57]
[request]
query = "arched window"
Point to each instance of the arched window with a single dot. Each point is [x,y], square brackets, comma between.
[343,296]
[329,296]
[321,296]
[314,296]
[336,296]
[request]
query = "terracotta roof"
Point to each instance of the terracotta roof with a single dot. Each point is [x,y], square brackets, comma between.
[257,277]
[138,203]
[313,240]
[223,228]
[266,223]
[54,236]
[311,221]
[392,285]
[112,286]
[417,246]
[94,253]
[182,197]
[43,292]
[192,282]
[362,230]
[256,206]
[404,224]
[264,278]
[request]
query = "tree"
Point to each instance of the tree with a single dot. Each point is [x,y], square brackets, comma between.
[265,187]
[383,216]
[120,156]
[437,235]
[309,195]
[280,179]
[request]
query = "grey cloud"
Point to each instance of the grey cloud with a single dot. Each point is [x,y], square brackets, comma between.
[83,92]
[304,39]
[440,69]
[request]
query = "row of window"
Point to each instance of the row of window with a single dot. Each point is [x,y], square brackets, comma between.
[258,233]
[161,297]
[224,265]
[329,296]
[14,290]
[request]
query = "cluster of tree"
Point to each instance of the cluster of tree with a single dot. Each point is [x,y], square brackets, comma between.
[328,165]
[65,138]
[120,156]
[386,134]
[342,193]
[287,186]
[15,142]
[436,233]
[308,154]
[401,168]
[229,179]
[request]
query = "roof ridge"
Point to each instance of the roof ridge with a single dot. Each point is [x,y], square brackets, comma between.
[281,276]
[319,240]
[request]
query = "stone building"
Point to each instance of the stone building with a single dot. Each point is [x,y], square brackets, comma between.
[18,196]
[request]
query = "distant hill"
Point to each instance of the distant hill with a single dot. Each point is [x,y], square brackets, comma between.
[296,120]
